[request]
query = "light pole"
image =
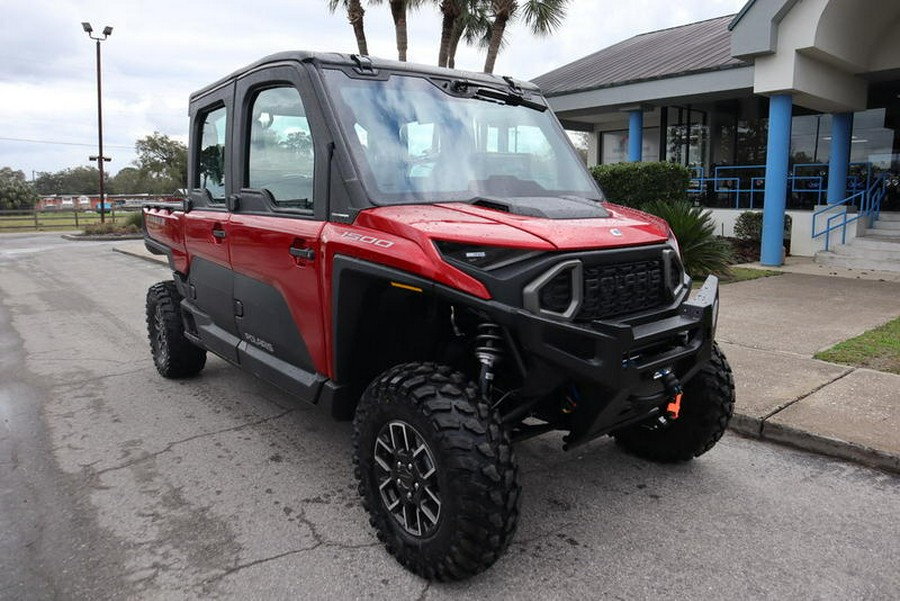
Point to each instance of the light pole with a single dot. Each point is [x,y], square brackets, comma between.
[99,158]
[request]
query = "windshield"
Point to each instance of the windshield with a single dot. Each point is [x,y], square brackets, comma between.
[414,142]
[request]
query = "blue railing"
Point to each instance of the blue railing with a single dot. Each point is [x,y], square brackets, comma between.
[747,183]
[869,206]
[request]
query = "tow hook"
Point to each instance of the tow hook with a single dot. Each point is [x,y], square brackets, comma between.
[673,389]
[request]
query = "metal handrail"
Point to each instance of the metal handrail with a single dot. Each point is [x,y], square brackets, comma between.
[729,179]
[869,207]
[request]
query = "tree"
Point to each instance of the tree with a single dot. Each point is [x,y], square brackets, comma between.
[355,14]
[212,166]
[15,191]
[161,157]
[74,180]
[542,16]
[451,10]
[399,8]
[461,19]
[580,141]
[48,183]
[129,180]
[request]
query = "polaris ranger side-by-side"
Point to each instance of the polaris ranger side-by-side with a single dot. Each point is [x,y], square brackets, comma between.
[421,250]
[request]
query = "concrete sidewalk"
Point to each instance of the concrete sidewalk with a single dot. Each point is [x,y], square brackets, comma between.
[769,329]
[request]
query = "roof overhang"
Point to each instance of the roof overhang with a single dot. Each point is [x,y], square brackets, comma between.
[690,88]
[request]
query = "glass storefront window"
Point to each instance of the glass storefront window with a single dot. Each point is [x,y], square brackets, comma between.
[872,142]
[687,137]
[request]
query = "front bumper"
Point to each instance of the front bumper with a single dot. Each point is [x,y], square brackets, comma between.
[616,363]
[612,362]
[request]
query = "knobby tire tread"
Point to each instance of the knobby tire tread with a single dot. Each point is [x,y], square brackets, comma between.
[707,407]
[481,464]
[184,359]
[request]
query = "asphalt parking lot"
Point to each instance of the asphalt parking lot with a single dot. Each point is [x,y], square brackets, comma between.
[116,483]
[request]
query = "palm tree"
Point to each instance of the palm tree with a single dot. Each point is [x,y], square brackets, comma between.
[462,19]
[399,8]
[450,13]
[355,13]
[542,16]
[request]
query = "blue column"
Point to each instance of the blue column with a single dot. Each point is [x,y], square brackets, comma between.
[839,164]
[635,135]
[778,150]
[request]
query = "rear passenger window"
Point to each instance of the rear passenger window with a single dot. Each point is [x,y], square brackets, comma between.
[211,167]
[281,155]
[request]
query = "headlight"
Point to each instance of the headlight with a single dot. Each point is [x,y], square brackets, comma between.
[482,257]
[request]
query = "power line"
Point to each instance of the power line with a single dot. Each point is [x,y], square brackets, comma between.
[59,143]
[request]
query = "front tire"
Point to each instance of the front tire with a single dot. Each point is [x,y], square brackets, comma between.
[436,471]
[706,408]
[173,355]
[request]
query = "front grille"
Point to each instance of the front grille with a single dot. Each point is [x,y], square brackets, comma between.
[609,290]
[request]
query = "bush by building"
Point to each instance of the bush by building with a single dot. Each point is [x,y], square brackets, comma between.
[748,226]
[636,184]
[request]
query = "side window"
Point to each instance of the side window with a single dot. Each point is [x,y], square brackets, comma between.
[281,154]
[211,165]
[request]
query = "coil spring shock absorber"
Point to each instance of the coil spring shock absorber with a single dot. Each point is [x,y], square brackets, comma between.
[489,350]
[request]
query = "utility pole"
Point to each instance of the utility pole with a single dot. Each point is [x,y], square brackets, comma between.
[99,158]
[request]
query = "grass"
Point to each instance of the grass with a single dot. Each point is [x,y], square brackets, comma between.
[742,274]
[876,349]
[54,220]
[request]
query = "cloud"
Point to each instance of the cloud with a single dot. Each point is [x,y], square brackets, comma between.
[161,51]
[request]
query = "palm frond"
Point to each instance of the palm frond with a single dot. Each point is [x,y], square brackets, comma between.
[702,251]
[544,16]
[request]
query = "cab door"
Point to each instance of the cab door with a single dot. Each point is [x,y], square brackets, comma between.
[274,232]
[210,281]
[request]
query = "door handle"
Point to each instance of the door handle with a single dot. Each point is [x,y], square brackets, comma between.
[307,254]
[218,233]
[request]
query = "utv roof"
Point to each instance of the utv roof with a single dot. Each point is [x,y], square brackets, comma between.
[362,63]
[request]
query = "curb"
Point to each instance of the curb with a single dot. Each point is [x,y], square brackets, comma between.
[102,237]
[158,260]
[832,447]
[754,427]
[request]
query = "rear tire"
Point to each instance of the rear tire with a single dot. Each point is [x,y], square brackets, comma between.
[706,409]
[436,471]
[174,355]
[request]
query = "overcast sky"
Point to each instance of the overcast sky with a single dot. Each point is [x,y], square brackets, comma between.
[161,51]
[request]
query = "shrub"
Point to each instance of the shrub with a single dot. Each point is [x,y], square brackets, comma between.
[748,226]
[636,184]
[100,229]
[136,219]
[702,251]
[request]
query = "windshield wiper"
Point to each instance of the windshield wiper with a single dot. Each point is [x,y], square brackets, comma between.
[509,98]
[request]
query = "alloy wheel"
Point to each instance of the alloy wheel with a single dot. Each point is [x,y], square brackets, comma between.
[406,473]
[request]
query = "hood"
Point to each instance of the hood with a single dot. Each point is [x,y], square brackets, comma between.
[491,224]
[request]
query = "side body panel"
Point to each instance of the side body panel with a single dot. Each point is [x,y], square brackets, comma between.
[280,293]
[275,250]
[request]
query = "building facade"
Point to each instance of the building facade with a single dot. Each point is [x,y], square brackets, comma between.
[790,106]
